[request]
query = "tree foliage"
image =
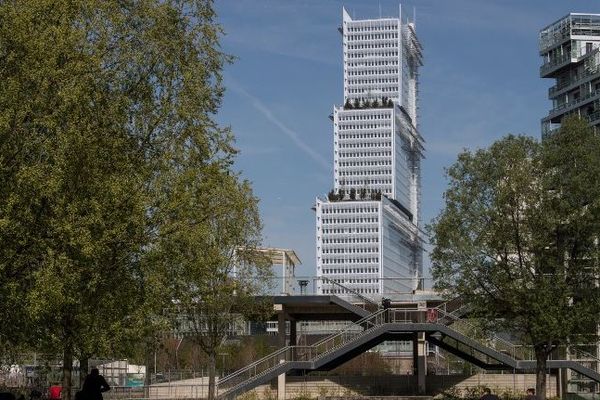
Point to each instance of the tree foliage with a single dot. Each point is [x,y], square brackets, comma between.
[209,233]
[107,134]
[518,237]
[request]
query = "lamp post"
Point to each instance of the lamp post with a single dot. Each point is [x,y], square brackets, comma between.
[303,284]
[223,364]
[177,353]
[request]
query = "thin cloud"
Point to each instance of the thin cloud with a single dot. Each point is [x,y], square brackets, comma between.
[290,133]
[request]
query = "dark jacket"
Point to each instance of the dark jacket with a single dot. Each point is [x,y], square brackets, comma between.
[93,387]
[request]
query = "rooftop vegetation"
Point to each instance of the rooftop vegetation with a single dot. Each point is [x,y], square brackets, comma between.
[360,104]
[354,195]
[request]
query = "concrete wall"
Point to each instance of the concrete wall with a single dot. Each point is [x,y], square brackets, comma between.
[354,386]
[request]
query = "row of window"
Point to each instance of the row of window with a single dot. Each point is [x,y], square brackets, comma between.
[351,240]
[359,220]
[351,260]
[367,72]
[379,144]
[351,270]
[364,173]
[344,154]
[377,28]
[363,163]
[368,54]
[351,251]
[368,90]
[372,81]
[361,210]
[363,116]
[350,230]
[364,280]
[362,182]
[373,36]
[385,127]
[357,290]
[377,46]
[370,63]
[370,135]
[373,250]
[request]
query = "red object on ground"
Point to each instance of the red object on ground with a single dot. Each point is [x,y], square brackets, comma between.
[54,392]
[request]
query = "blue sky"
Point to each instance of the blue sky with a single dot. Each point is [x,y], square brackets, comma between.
[480,81]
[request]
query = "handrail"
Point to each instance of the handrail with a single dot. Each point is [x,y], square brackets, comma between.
[350,326]
[379,318]
[303,353]
[253,364]
[490,341]
[338,339]
[365,299]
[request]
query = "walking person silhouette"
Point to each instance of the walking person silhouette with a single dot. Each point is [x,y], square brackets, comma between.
[94,385]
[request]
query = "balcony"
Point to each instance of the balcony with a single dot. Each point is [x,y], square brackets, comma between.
[592,67]
[593,118]
[557,63]
[563,108]
[558,87]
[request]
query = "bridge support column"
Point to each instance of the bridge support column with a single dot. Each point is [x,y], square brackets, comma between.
[561,382]
[420,361]
[293,333]
[281,385]
[281,328]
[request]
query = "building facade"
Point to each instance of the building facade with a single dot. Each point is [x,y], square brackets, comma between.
[368,236]
[570,51]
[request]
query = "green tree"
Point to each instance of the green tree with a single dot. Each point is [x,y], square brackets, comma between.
[352,194]
[518,237]
[331,196]
[363,193]
[96,102]
[210,230]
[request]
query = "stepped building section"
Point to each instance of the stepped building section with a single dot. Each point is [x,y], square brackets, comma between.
[570,49]
[368,228]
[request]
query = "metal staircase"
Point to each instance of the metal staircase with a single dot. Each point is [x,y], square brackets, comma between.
[441,327]
[295,356]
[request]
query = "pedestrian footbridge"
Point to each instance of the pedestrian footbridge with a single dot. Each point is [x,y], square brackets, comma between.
[439,326]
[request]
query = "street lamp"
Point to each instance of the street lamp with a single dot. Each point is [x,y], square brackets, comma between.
[303,284]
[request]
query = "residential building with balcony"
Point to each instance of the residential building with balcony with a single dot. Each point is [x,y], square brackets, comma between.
[368,236]
[570,50]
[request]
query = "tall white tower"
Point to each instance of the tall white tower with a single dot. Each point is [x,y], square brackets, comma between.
[368,229]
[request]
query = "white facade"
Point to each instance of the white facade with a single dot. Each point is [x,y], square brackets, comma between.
[368,236]
[381,60]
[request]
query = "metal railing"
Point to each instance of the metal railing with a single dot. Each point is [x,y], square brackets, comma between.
[355,330]
[300,353]
[326,346]
[483,337]
[354,297]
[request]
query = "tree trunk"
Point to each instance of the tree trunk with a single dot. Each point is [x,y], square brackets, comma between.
[541,356]
[83,368]
[147,379]
[211,376]
[67,371]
